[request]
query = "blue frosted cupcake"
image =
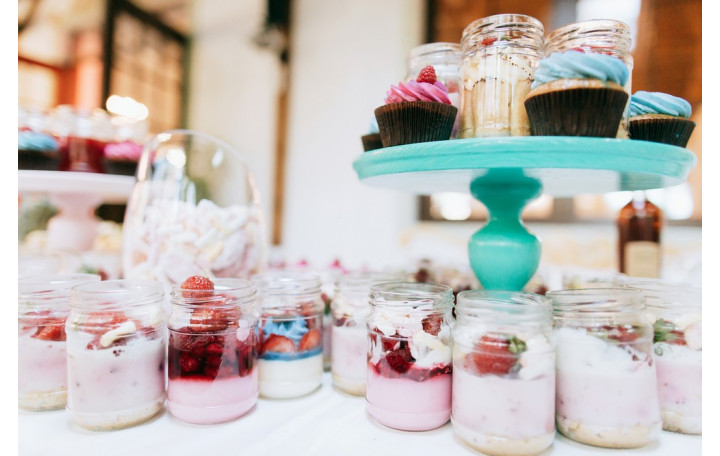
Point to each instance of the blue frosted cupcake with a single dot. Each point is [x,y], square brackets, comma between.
[577,94]
[660,117]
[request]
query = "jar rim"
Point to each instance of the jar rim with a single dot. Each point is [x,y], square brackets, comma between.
[599,24]
[595,302]
[363,279]
[660,294]
[514,304]
[49,286]
[403,294]
[287,283]
[111,294]
[503,21]
[435,47]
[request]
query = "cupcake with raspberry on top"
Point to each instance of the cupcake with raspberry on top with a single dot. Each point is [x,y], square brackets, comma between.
[419,110]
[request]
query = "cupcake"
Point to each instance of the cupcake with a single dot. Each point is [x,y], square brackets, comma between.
[660,117]
[372,141]
[122,158]
[577,94]
[417,111]
[37,150]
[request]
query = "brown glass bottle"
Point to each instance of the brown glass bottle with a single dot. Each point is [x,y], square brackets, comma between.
[639,226]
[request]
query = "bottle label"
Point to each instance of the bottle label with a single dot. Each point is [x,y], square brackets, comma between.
[642,259]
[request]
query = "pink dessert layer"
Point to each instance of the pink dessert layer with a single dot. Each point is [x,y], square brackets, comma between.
[512,408]
[204,401]
[349,353]
[408,405]
[612,399]
[680,389]
[41,366]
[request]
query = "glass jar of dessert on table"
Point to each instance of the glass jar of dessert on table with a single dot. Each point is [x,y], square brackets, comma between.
[115,354]
[82,135]
[350,309]
[409,365]
[43,307]
[606,383]
[503,392]
[675,311]
[291,333]
[500,55]
[212,350]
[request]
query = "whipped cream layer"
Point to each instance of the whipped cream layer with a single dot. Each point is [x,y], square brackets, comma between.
[679,374]
[579,65]
[42,373]
[643,103]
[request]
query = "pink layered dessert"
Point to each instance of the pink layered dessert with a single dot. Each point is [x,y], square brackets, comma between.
[42,373]
[409,379]
[349,358]
[504,395]
[116,378]
[606,389]
[678,357]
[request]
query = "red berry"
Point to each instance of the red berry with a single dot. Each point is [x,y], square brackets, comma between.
[428,75]
[51,332]
[188,364]
[492,356]
[278,344]
[431,324]
[400,360]
[102,322]
[205,319]
[578,49]
[197,283]
[310,340]
[488,41]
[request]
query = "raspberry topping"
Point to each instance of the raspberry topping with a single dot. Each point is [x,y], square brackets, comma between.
[428,75]
[400,360]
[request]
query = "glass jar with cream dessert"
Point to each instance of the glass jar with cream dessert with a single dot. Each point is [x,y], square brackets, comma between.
[446,58]
[115,353]
[350,309]
[291,344]
[503,391]
[675,312]
[409,364]
[43,307]
[500,54]
[212,350]
[606,382]
[597,36]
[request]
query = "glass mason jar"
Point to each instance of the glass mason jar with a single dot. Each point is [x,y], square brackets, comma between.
[675,312]
[82,135]
[409,367]
[606,384]
[350,309]
[291,314]
[500,55]
[43,307]
[597,36]
[115,353]
[195,210]
[504,372]
[212,352]
[446,58]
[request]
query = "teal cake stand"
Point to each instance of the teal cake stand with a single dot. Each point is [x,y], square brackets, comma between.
[507,173]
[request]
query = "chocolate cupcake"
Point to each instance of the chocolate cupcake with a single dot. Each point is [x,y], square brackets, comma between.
[417,111]
[660,117]
[577,94]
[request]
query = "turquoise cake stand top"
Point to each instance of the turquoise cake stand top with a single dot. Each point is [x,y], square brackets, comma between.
[506,173]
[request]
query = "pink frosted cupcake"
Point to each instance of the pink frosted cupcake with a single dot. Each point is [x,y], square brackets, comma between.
[417,111]
[122,157]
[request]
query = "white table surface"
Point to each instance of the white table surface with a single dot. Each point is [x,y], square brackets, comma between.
[326,422]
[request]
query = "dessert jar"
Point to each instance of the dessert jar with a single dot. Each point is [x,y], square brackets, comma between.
[606,385]
[212,352]
[350,309]
[446,58]
[675,312]
[409,366]
[598,36]
[500,55]
[503,392]
[291,343]
[115,353]
[82,135]
[43,307]
[194,210]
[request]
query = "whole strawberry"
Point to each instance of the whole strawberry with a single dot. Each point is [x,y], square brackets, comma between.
[495,355]
[197,283]
[428,75]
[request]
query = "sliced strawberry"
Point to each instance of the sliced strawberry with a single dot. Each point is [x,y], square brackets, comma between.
[102,322]
[206,319]
[310,340]
[278,344]
[54,333]
[494,355]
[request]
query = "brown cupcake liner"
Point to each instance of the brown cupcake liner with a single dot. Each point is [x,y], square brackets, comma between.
[371,142]
[38,160]
[576,112]
[414,122]
[120,167]
[673,131]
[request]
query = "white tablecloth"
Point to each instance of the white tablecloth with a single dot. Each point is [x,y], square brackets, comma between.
[325,422]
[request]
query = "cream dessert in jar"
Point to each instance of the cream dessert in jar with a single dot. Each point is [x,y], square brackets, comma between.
[676,314]
[504,373]
[43,307]
[501,53]
[115,354]
[291,333]
[212,350]
[605,374]
[409,367]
